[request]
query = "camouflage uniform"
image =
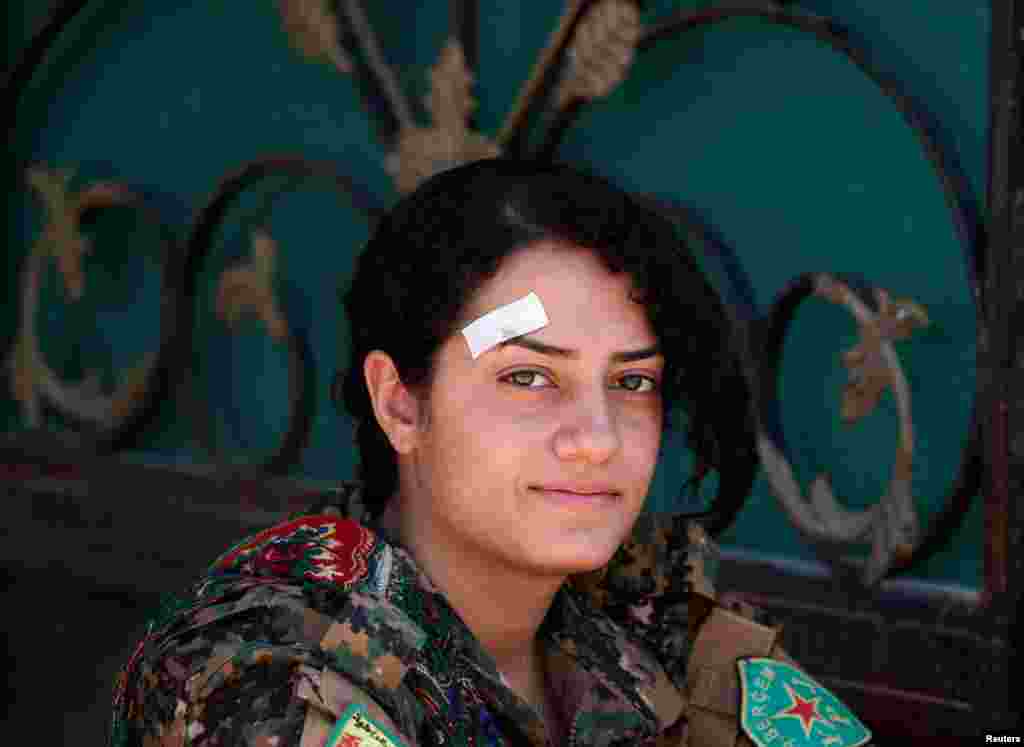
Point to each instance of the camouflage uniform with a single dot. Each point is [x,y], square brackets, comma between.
[293,626]
[322,630]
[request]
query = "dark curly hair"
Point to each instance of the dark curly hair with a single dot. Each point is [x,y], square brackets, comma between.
[431,253]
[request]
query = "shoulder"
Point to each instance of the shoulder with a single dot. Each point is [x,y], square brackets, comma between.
[742,681]
[288,631]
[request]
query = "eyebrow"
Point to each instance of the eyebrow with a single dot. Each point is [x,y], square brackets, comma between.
[625,356]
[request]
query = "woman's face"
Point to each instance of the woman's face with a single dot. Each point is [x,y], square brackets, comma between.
[514,421]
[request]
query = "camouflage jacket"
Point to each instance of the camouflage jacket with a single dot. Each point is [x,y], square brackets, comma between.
[322,630]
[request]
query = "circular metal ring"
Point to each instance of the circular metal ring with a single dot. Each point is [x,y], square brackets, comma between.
[301,369]
[107,423]
[970,228]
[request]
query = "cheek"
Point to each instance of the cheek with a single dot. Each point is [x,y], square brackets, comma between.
[493,419]
[641,435]
[472,440]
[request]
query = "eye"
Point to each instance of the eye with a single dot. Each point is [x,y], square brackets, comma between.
[516,378]
[650,381]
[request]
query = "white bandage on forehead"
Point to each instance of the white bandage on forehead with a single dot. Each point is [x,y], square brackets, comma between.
[511,320]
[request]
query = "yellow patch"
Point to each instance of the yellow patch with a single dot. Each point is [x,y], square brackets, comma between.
[355,728]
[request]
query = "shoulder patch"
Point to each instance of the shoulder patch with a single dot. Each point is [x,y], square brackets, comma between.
[315,548]
[355,728]
[782,706]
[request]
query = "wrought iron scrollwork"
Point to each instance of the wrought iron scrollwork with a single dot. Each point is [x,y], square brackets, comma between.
[970,231]
[589,54]
[891,525]
[111,418]
[246,287]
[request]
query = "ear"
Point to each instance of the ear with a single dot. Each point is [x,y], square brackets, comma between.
[394,406]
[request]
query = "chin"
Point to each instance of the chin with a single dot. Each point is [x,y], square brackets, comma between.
[582,560]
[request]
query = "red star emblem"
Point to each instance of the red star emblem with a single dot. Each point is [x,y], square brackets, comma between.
[804,709]
[349,740]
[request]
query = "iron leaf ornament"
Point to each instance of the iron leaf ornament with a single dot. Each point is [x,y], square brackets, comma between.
[247,289]
[595,42]
[425,151]
[60,240]
[891,526]
[312,28]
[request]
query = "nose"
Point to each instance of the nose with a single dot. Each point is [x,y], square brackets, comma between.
[589,432]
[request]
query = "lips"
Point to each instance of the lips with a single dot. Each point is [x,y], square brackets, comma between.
[579,497]
[579,501]
[594,489]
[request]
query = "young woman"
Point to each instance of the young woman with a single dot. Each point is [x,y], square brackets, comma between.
[520,335]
